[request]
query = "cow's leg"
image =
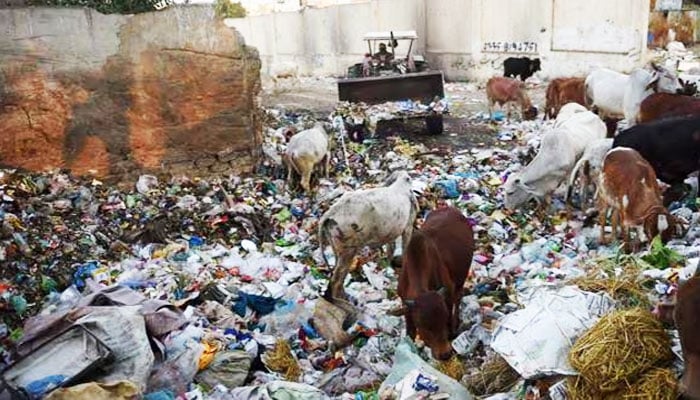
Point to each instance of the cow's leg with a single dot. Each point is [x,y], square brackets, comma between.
[410,326]
[602,214]
[406,237]
[336,286]
[456,301]
[290,172]
[491,105]
[390,250]
[326,164]
[306,179]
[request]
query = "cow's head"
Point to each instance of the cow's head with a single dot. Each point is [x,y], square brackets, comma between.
[663,80]
[661,222]
[535,65]
[432,318]
[399,176]
[530,113]
[517,192]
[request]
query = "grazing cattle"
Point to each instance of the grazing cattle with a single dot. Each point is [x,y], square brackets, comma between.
[617,95]
[435,265]
[506,91]
[687,318]
[523,67]
[588,167]
[628,186]
[671,146]
[366,217]
[664,105]
[559,151]
[561,91]
[304,151]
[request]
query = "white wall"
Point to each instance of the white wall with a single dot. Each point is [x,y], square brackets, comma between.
[571,36]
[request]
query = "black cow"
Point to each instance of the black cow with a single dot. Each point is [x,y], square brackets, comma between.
[671,146]
[522,66]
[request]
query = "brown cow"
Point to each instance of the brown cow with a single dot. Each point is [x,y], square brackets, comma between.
[436,263]
[505,91]
[628,186]
[561,91]
[687,318]
[665,105]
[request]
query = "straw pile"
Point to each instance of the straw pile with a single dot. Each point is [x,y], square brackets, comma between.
[619,348]
[494,376]
[280,359]
[454,368]
[625,288]
[655,384]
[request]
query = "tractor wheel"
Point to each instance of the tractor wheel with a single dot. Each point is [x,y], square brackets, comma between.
[434,124]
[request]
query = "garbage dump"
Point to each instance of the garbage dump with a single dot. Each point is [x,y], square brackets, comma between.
[192,288]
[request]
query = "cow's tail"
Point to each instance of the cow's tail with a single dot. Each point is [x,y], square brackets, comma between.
[324,235]
[323,240]
[587,97]
[572,178]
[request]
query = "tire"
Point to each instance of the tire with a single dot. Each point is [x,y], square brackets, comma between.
[434,124]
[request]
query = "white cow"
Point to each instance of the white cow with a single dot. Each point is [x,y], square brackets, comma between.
[366,217]
[618,95]
[304,151]
[560,149]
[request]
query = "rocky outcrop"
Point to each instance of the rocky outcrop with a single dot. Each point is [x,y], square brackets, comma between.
[172,91]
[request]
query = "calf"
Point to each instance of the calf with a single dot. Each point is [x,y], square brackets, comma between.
[627,185]
[366,217]
[523,66]
[505,91]
[435,265]
[671,146]
[687,318]
[304,151]
[561,91]
[559,150]
[588,166]
[664,105]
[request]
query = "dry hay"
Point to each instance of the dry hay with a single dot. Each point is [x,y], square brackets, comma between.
[655,384]
[619,348]
[625,288]
[281,359]
[454,368]
[494,376]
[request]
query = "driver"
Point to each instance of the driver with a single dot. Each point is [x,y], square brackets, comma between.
[382,55]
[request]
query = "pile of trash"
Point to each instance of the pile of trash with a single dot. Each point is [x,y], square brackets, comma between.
[210,289]
[354,114]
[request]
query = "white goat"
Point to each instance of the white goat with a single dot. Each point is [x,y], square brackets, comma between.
[304,151]
[591,161]
[366,217]
[557,155]
[618,95]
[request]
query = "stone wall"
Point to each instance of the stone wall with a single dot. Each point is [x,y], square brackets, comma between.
[173,91]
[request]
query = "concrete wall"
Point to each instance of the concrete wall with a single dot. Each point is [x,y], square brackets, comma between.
[324,41]
[170,91]
[571,36]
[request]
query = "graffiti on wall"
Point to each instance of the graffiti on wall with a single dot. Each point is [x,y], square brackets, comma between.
[510,47]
